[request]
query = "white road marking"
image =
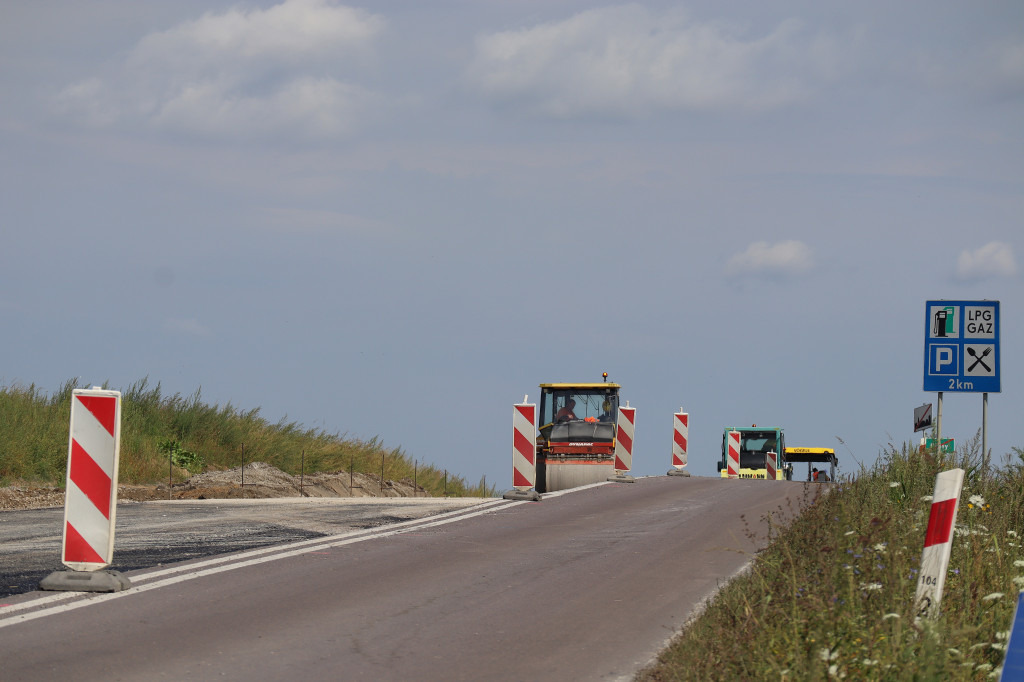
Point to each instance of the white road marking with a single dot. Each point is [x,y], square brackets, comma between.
[234,561]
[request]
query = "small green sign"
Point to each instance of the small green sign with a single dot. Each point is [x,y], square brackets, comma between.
[948,445]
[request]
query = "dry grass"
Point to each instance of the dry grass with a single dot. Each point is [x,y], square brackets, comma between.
[832,596]
[157,429]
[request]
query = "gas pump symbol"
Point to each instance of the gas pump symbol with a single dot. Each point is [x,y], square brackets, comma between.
[943,323]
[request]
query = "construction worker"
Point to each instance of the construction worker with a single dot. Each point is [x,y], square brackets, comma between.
[814,474]
[566,413]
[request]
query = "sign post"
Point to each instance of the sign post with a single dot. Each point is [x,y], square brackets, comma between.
[938,542]
[680,439]
[524,452]
[90,504]
[961,354]
[624,430]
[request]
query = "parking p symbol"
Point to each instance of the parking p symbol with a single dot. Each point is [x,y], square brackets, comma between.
[944,359]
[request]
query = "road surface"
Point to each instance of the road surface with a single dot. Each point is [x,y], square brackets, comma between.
[585,585]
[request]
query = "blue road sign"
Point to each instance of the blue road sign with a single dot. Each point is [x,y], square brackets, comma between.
[961,346]
[1013,665]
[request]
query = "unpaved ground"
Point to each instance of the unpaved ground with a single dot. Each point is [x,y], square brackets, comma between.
[260,481]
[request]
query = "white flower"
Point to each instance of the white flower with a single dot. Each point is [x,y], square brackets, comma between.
[828,655]
[1003,634]
[926,498]
[873,586]
[993,596]
[849,532]
[894,484]
[1019,563]
[976,500]
[880,547]
[999,647]
[953,652]
[984,666]
[869,662]
[1012,533]
[1019,581]
[890,615]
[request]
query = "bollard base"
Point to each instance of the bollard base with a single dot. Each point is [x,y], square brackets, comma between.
[621,478]
[678,472]
[85,581]
[528,495]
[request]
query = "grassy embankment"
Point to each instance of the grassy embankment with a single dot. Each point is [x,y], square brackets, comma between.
[155,427]
[832,596]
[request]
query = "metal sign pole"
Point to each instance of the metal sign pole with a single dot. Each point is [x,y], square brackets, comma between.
[984,432]
[938,422]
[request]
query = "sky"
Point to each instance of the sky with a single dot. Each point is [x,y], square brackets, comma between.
[396,219]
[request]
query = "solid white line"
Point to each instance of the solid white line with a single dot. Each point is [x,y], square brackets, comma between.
[283,551]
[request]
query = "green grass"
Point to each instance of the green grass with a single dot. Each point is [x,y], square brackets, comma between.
[832,596]
[155,426]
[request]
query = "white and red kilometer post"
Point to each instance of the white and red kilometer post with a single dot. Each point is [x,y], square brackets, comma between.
[938,542]
[732,461]
[624,430]
[524,452]
[771,465]
[91,495]
[680,442]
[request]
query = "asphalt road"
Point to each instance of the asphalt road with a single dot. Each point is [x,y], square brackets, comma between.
[587,585]
[155,533]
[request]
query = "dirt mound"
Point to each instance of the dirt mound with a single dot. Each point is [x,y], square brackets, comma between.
[260,481]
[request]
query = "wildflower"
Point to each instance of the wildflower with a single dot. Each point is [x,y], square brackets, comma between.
[1003,634]
[869,662]
[1019,563]
[993,596]
[926,498]
[977,500]
[984,667]
[953,652]
[880,547]
[889,616]
[828,655]
[873,587]
[894,484]
[1019,581]
[1011,533]
[998,647]
[849,532]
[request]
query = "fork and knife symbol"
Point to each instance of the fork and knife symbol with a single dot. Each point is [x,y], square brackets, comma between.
[979,359]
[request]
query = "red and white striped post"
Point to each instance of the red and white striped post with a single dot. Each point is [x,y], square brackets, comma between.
[771,464]
[90,502]
[938,542]
[524,452]
[91,493]
[733,460]
[680,440]
[624,432]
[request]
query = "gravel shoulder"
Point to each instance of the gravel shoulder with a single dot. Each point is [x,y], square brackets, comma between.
[258,481]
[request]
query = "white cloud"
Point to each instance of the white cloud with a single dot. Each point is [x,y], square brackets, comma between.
[994,259]
[784,259]
[240,73]
[628,61]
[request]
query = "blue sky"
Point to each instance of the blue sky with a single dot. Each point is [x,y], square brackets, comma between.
[395,219]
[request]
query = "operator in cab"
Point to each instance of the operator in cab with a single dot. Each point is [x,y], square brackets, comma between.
[566,413]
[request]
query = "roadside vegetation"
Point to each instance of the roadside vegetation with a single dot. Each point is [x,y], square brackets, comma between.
[831,597]
[184,435]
